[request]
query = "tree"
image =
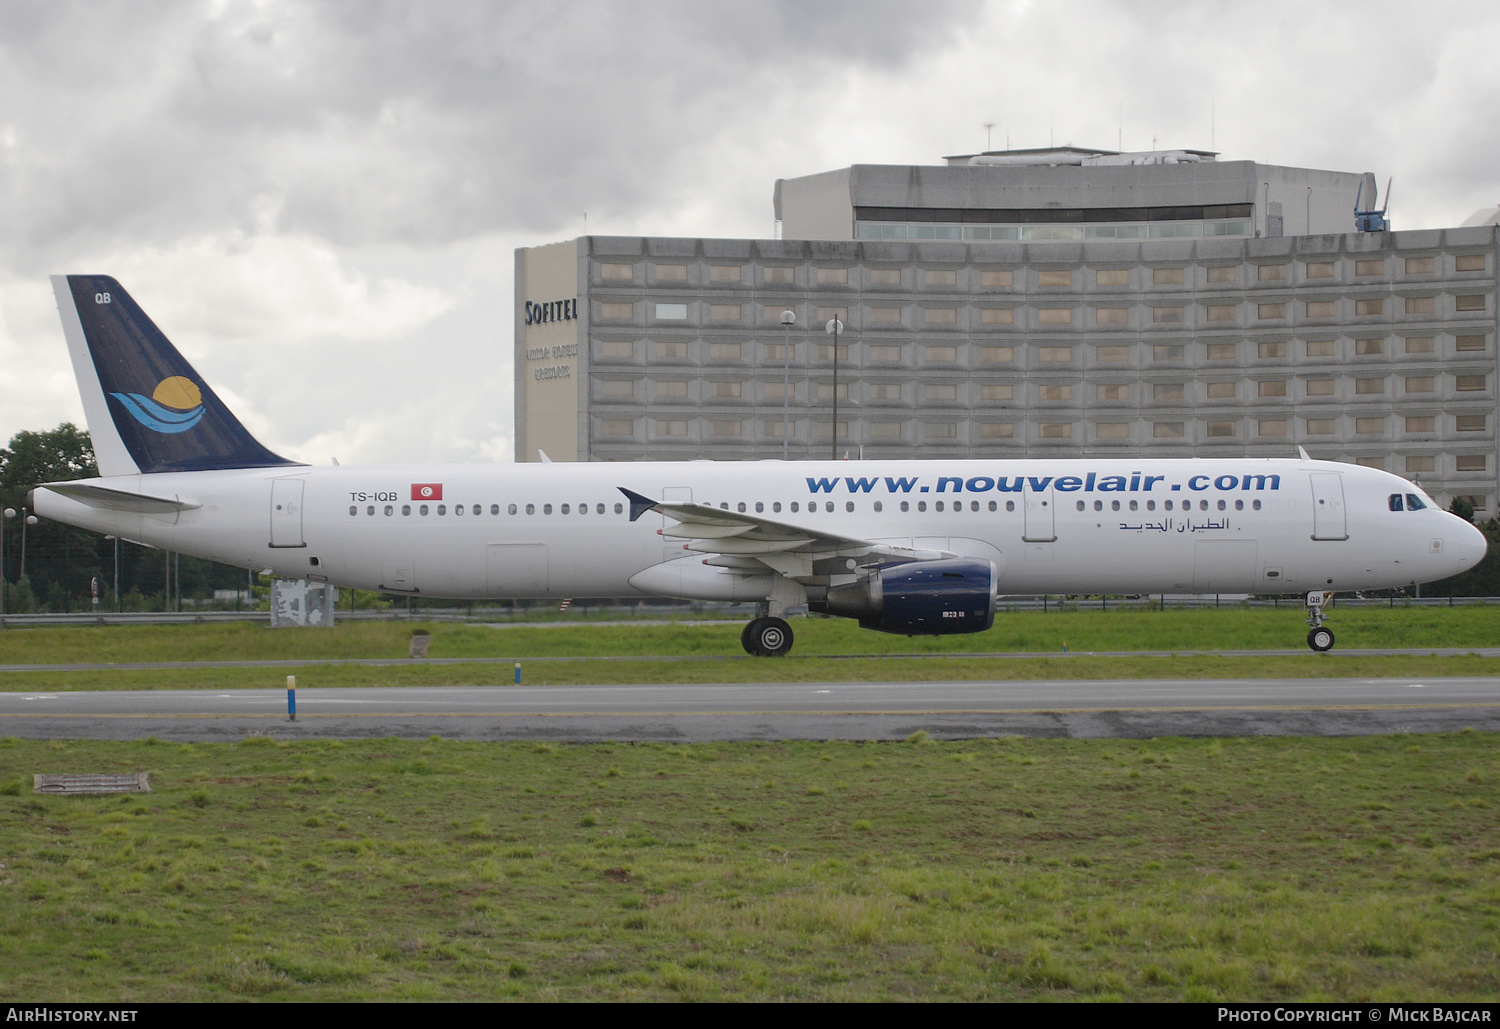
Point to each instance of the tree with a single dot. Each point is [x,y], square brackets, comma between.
[60,559]
[1462,508]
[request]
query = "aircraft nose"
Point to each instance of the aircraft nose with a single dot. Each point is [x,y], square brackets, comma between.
[1469,545]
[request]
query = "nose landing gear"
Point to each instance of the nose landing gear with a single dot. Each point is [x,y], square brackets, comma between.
[767,637]
[1319,637]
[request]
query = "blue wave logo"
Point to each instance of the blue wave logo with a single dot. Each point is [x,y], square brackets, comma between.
[176,405]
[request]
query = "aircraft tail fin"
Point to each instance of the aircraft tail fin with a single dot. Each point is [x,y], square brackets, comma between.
[147,409]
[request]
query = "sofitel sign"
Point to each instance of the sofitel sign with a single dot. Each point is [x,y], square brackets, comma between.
[551,311]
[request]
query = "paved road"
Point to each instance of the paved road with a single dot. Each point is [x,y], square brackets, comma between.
[1112,708]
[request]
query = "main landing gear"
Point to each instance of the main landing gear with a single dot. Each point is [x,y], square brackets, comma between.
[1319,637]
[767,637]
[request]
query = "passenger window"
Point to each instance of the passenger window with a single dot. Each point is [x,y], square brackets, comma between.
[406,510]
[759,507]
[938,506]
[598,509]
[1150,505]
[905,506]
[1414,502]
[1010,505]
[531,509]
[776,506]
[562,510]
[1098,505]
[546,509]
[442,509]
[510,509]
[794,507]
[353,510]
[828,507]
[921,505]
[994,506]
[583,509]
[1114,505]
[1395,502]
[619,509]
[422,510]
[973,505]
[1239,505]
[1203,505]
[742,506]
[1222,505]
[1167,506]
[1255,505]
[458,509]
[879,506]
[1080,505]
[1132,505]
[371,511]
[388,510]
[848,505]
[478,510]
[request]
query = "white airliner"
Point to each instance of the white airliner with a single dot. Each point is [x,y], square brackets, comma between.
[910,547]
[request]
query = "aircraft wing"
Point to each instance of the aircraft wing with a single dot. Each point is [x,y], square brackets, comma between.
[753,543]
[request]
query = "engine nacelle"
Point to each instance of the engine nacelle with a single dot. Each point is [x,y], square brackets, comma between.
[918,598]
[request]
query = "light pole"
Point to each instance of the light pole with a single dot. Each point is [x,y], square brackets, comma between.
[9,513]
[119,605]
[835,327]
[26,519]
[788,319]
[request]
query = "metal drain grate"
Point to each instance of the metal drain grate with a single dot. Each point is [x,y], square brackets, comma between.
[113,782]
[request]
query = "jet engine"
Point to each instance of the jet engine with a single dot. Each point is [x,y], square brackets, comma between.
[918,598]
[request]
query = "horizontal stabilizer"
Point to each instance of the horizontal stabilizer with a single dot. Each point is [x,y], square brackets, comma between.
[119,500]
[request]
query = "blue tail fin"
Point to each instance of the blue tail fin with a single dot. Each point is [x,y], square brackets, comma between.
[147,409]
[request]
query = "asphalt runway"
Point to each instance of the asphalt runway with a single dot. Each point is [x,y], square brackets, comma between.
[1129,708]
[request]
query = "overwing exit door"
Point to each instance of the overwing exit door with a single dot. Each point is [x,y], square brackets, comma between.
[1040,520]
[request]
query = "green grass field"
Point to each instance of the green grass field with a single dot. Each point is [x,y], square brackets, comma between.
[1287,868]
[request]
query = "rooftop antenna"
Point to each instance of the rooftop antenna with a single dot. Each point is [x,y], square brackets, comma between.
[987,127]
[1372,220]
[1212,120]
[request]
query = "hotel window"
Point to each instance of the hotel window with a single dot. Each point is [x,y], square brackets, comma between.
[1221,390]
[1469,263]
[1054,278]
[1320,269]
[1366,308]
[1112,430]
[884,354]
[825,391]
[724,351]
[1369,347]
[1419,266]
[1369,387]
[827,314]
[1367,426]
[1270,272]
[1270,351]
[1054,393]
[1476,302]
[724,273]
[1055,430]
[1416,464]
[1055,316]
[616,272]
[724,428]
[1468,383]
[1370,462]
[1163,315]
[776,275]
[1112,277]
[671,273]
[771,313]
[940,277]
[1168,391]
[1320,426]
[773,390]
[1468,423]
[996,430]
[1464,343]
[774,352]
[885,316]
[1320,348]
[671,350]
[1221,312]
[671,427]
[996,355]
[775,430]
[1369,267]
[1420,384]
[724,312]
[885,430]
[1421,423]
[671,388]
[1470,463]
[1419,344]
[940,316]
[825,352]
[1112,315]
[671,312]
[997,316]
[1222,273]
[996,278]
[617,388]
[833,276]
[1271,427]
[940,393]
[1166,276]
[885,276]
[825,431]
[940,355]
[1168,352]
[940,430]
[1320,387]
[1321,308]
[1217,429]
[1054,355]
[1272,388]
[616,310]
[616,349]
[1168,430]
[724,390]
[1421,305]
[1220,352]
[1111,355]
[884,391]
[617,427]
[1266,312]
[995,393]
[1112,392]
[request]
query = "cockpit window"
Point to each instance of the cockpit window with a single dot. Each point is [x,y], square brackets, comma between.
[1414,502]
[1396,502]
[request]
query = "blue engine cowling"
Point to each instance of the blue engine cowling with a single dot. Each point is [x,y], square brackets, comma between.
[919,598]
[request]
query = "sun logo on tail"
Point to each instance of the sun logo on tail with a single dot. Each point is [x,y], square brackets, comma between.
[176,405]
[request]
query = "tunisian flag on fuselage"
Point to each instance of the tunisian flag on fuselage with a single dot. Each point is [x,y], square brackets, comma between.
[427,491]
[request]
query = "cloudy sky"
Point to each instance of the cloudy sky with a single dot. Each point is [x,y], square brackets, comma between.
[319,202]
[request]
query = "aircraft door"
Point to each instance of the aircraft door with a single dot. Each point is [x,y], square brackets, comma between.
[1041,516]
[1329,518]
[286,513]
